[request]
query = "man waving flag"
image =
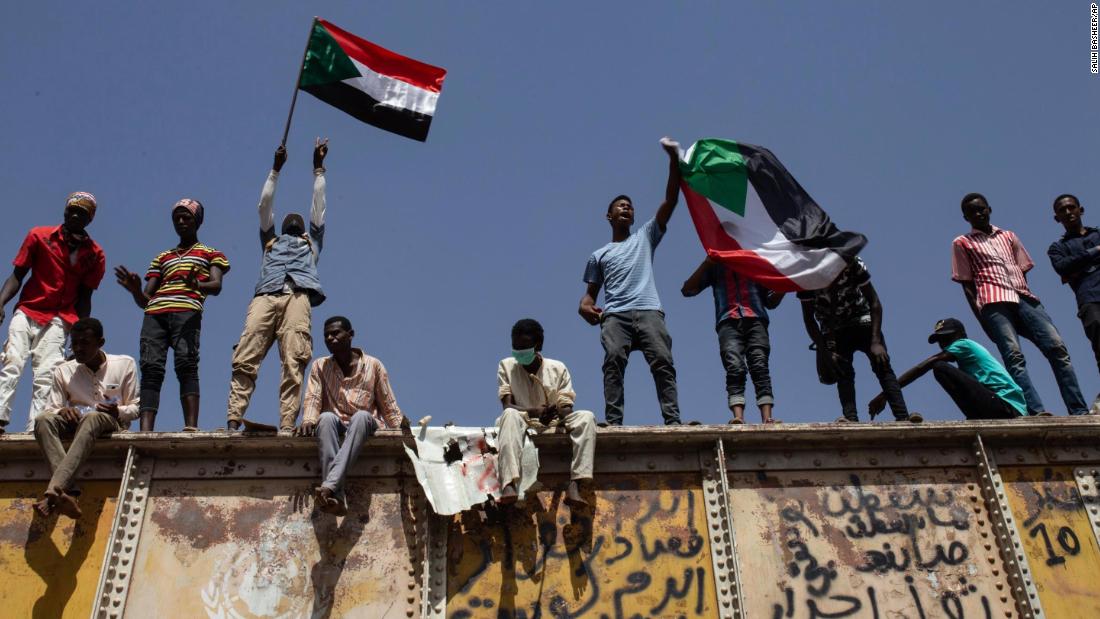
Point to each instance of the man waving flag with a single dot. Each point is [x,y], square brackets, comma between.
[371,83]
[753,216]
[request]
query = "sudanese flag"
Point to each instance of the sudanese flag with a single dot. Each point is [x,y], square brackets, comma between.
[373,84]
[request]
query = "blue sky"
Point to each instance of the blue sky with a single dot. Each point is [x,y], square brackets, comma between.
[887,113]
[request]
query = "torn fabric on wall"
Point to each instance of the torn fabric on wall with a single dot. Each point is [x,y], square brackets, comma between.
[457,467]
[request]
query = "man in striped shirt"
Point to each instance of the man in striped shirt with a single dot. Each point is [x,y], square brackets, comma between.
[991,265]
[348,397]
[742,308]
[176,284]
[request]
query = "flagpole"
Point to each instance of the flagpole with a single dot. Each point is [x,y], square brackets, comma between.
[297,80]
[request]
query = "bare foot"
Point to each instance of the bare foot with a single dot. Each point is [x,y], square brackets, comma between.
[573,496]
[45,507]
[66,504]
[326,501]
[508,495]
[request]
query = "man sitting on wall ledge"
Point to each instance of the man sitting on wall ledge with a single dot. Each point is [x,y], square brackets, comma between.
[538,392]
[93,395]
[348,397]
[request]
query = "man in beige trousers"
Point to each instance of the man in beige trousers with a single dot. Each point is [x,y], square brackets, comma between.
[93,395]
[288,289]
[537,392]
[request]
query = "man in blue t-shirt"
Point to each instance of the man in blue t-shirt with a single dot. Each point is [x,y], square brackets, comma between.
[979,386]
[631,318]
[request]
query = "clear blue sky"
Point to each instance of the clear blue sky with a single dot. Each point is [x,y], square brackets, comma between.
[886,112]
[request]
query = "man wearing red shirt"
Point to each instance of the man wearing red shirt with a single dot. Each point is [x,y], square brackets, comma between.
[66,265]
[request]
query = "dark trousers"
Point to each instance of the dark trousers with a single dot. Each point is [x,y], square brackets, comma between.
[845,342]
[1089,313]
[745,347]
[975,400]
[644,330]
[159,332]
[1004,323]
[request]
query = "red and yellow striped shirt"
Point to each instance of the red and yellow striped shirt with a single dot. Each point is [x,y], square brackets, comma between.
[173,268]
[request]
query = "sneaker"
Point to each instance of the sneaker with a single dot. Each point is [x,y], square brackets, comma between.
[914,418]
[1044,414]
[843,419]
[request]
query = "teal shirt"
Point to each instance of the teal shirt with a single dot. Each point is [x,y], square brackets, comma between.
[977,362]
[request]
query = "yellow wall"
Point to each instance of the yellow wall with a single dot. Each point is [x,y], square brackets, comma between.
[642,548]
[1048,510]
[51,566]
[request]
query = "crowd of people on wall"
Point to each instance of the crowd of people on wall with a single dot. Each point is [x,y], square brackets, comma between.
[348,395]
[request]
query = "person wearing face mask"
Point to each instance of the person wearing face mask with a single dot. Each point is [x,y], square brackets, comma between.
[287,290]
[537,392]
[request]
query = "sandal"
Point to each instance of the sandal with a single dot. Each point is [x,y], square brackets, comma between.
[190,429]
[772,420]
[735,421]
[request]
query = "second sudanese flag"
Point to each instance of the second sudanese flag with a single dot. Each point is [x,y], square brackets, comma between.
[754,217]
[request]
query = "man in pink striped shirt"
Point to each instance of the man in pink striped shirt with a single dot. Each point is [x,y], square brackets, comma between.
[991,265]
[348,398]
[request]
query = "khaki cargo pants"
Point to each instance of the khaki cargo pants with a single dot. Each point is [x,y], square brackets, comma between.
[282,317]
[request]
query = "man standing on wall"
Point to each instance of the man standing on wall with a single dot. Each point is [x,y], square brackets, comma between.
[742,308]
[176,286]
[631,318]
[1076,257]
[991,264]
[281,308]
[66,265]
[846,317]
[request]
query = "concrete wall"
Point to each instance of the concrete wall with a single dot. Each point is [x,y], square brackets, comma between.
[955,520]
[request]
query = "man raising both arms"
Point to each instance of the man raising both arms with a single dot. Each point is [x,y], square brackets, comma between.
[281,308]
[631,318]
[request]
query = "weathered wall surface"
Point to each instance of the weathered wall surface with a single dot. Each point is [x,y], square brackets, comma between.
[957,520]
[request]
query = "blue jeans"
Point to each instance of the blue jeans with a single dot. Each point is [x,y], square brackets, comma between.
[744,346]
[1003,321]
[339,444]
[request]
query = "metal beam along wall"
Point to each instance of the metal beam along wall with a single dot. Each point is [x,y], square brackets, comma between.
[973,521]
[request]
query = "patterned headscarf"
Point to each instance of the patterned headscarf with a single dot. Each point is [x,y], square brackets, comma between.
[84,200]
[193,206]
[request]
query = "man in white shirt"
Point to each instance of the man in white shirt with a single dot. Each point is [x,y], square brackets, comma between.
[538,392]
[93,395]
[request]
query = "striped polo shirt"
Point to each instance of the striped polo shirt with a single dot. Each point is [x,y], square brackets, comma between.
[173,267]
[995,262]
[735,296]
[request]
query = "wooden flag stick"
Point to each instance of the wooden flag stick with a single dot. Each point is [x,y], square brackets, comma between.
[297,80]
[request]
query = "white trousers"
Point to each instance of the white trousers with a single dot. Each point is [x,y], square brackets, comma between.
[512,427]
[45,344]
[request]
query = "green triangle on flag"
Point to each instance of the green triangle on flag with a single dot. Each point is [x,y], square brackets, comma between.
[716,169]
[325,61]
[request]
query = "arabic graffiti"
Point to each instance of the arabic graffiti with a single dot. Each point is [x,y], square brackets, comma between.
[868,544]
[639,552]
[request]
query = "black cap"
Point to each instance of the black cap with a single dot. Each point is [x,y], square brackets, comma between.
[947,326]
